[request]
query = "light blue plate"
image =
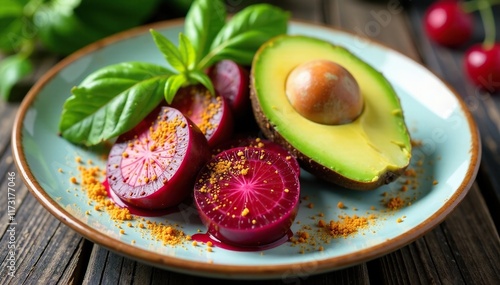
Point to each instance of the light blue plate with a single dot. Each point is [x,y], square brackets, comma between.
[446,163]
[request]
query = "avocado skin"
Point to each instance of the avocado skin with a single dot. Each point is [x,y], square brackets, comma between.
[308,164]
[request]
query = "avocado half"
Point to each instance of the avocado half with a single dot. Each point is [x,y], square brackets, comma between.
[371,151]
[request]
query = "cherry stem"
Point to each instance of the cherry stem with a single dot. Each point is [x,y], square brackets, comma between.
[487,17]
[488,23]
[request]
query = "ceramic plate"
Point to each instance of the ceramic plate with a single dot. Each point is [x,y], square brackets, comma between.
[443,167]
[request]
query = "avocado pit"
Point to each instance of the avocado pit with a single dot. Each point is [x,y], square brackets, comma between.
[324,92]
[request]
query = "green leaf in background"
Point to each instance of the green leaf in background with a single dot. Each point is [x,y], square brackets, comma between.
[240,38]
[12,69]
[111,101]
[13,25]
[67,25]
[204,20]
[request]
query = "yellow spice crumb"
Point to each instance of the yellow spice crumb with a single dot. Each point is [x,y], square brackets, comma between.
[245,212]
[340,205]
[395,203]
[73,180]
[347,225]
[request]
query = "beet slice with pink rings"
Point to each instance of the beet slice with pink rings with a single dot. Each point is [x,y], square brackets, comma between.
[211,113]
[231,81]
[247,196]
[249,141]
[155,167]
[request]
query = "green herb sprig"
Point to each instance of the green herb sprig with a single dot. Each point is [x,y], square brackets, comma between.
[114,99]
[58,27]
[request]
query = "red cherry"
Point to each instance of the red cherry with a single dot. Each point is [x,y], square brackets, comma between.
[482,66]
[448,24]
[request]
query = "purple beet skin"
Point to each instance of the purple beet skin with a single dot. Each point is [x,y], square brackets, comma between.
[247,196]
[155,167]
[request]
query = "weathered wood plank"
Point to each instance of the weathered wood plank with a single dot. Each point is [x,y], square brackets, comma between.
[109,268]
[448,64]
[302,10]
[381,21]
[450,254]
[7,116]
[478,261]
[96,265]
[75,270]
[44,247]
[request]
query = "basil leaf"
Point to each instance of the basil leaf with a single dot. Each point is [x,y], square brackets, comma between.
[67,25]
[169,51]
[110,17]
[202,78]
[172,85]
[12,69]
[15,28]
[57,31]
[187,51]
[240,38]
[111,101]
[204,20]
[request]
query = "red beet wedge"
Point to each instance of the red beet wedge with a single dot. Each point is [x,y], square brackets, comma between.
[211,113]
[232,82]
[259,143]
[247,196]
[155,167]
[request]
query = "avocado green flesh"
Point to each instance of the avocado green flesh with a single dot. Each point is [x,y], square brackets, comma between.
[375,143]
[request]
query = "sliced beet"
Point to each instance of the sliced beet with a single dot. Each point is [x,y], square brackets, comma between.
[211,113]
[155,167]
[249,141]
[247,196]
[231,80]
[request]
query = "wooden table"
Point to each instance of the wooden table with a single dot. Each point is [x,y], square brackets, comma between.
[464,249]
